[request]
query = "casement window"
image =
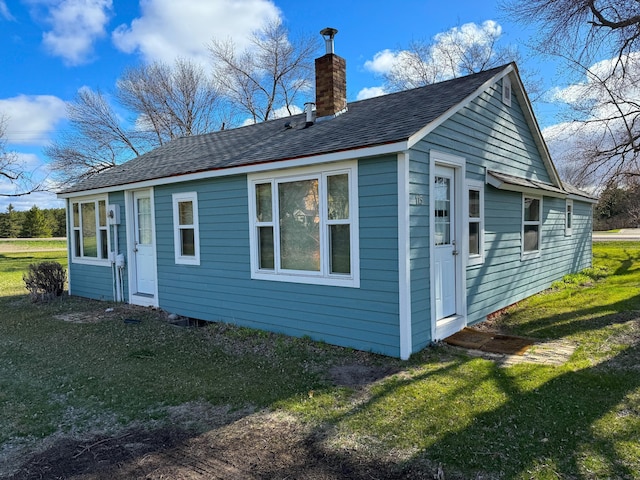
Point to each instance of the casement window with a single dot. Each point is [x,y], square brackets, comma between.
[506,91]
[90,232]
[475,221]
[185,228]
[531,225]
[304,226]
[568,218]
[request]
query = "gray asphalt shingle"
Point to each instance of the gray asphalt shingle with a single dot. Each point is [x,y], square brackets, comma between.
[372,122]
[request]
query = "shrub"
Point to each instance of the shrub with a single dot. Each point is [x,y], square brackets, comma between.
[45,280]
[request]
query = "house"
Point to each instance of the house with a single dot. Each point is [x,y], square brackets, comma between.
[383,224]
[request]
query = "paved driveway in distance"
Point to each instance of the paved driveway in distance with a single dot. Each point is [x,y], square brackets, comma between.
[628,234]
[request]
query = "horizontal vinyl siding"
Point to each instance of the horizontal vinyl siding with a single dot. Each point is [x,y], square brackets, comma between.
[492,136]
[221,288]
[91,281]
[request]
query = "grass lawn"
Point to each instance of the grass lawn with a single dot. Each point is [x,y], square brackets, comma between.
[69,369]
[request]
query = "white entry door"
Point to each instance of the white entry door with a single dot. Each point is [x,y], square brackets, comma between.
[444,243]
[143,249]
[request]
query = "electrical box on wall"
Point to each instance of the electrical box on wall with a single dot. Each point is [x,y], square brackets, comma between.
[113,214]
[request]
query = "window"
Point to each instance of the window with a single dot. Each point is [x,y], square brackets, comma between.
[304,226]
[475,196]
[90,238]
[185,228]
[531,225]
[506,91]
[568,218]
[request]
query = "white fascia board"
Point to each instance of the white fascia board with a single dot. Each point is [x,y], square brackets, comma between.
[391,148]
[573,196]
[427,129]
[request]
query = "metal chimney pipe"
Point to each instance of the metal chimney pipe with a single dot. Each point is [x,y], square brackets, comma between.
[328,34]
[308,108]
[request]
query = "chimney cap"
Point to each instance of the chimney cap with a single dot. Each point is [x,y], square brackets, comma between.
[328,32]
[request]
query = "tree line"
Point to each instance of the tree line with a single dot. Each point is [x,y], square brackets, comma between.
[33,223]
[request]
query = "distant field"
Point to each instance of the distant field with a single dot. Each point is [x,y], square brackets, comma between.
[32,244]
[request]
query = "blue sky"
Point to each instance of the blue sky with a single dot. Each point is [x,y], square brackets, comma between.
[51,48]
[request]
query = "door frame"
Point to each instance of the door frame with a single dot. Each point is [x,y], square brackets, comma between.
[134,298]
[449,325]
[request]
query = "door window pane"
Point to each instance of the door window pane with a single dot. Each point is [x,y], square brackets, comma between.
[442,206]
[144,221]
[299,225]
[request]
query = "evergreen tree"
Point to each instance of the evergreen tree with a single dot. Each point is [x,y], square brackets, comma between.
[35,224]
[9,223]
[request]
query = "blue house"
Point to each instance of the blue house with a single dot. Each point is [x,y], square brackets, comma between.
[383,224]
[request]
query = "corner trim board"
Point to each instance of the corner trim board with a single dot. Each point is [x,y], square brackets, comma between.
[404,260]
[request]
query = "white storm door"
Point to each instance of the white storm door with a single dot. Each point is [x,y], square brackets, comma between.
[143,250]
[444,245]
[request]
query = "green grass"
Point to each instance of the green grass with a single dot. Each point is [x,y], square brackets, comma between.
[579,420]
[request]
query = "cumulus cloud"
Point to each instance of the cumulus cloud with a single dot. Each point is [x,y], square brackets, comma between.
[4,11]
[168,29]
[75,27]
[370,92]
[31,118]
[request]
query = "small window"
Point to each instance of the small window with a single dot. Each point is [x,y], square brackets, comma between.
[90,238]
[185,225]
[531,225]
[506,91]
[475,221]
[568,218]
[303,226]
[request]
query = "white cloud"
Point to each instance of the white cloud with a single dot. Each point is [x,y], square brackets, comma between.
[4,11]
[75,26]
[370,92]
[383,62]
[31,118]
[168,28]
[281,112]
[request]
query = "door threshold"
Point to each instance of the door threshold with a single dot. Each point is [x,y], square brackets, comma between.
[447,326]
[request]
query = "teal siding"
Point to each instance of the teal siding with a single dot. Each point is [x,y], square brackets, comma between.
[221,288]
[492,136]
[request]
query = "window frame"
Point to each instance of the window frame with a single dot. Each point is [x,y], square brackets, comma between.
[526,254]
[324,275]
[568,217]
[100,259]
[180,258]
[475,259]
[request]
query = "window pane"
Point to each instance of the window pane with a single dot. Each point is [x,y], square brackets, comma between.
[569,216]
[144,221]
[265,248]
[89,239]
[187,242]
[340,245]
[531,238]
[102,206]
[338,186]
[474,204]
[263,202]
[531,209]
[474,238]
[299,225]
[442,205]
[185,213]
[76,215]
[76,237]
[104,249]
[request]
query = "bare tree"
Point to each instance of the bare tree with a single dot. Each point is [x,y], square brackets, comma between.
[460,51]
[604,102]
[164,102]
[12,169]
[269,75]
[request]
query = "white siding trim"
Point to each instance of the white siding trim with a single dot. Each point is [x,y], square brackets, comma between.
[404,258]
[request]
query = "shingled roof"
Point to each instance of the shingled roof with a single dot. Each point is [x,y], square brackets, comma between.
[367,123]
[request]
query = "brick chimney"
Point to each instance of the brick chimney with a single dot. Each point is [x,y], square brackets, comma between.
[331,79]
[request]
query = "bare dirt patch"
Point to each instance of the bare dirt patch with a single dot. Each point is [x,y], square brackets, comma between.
[266,445]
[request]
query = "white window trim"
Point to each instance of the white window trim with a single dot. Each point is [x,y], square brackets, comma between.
[100,262]
[476,259]
[568,218]
[506,91]
[532,253]
[324,277]
[179,258]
